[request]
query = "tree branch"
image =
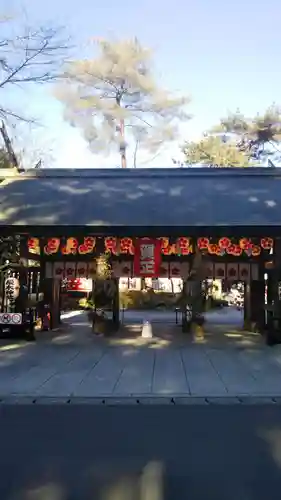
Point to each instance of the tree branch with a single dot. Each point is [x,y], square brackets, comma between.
[33,57]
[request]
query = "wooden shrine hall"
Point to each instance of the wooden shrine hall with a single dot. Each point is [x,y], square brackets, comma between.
[65,219]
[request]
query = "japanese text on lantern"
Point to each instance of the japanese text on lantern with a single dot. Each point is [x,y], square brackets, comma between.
[71,246]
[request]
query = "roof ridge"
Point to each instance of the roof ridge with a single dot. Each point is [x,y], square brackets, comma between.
[150,172]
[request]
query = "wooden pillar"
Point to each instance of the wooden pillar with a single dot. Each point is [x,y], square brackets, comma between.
[186,318]
[257,305]
[257,299]
[273,332]
[55,304]
[270,295]
[116,306]
[247,305]
[51,287]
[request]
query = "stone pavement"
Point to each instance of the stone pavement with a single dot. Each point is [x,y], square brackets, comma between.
[74,363]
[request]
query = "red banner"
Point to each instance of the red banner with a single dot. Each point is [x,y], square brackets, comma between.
[79,285]
[147,258]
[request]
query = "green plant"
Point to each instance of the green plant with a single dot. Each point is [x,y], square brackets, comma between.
[146,299]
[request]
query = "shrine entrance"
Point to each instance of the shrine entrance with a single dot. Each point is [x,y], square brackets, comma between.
[224,261]
[148,224]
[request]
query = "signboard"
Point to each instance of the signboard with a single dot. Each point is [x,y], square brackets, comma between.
[147,258]
[10,318]
[12,288]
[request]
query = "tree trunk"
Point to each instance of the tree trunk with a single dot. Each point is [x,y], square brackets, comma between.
[135,154]
[197,276]
[123,145]
[143,284]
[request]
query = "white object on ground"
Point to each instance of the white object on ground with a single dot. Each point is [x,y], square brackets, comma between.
[146,331]
[70,314]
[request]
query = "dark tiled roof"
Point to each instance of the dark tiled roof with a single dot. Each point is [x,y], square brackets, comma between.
[142,197]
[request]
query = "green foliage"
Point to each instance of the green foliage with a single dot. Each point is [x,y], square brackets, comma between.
[142,299]
[238,141]
[117,92]
[214,152]
[253,135]
[260,129]
[85,303]
[103,267]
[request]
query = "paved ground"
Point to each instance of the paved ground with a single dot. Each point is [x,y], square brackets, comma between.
[229,315]
[65,452]
[76,364]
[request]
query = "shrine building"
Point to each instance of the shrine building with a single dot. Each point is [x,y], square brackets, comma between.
[66,218]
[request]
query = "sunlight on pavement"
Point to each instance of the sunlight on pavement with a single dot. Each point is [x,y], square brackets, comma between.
[63,339]
[71,314]
[151,482]
[46,492]
[10,347]
[273,439]
[154,343]
[234,335]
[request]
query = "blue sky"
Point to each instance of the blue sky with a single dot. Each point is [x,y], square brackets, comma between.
[224,54]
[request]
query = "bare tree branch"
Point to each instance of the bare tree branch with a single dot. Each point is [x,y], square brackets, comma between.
[33,56]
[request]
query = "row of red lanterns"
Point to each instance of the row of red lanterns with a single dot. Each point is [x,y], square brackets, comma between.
[226,246]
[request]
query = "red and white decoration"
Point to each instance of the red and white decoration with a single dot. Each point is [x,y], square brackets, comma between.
[164,270]
[58,270]
[147,258]
[82,270]
[125,269]
[175,270]
[220,271]
[70,270]
[209,270]
[232,272]
[79,285]
[91,270]
[244,272]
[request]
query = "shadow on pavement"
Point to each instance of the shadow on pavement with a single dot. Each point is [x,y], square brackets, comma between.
[163,453]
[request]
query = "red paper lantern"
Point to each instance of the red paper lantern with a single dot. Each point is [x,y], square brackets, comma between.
[213,248]
[256,250]
[224,243]
[245,244]
[267,243]
[203,243]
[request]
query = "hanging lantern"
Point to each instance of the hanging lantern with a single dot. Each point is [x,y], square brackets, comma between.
[267,243]
[256,250]
[203,243]
[230,250]
[213,248]
[224,242]
[245,244]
